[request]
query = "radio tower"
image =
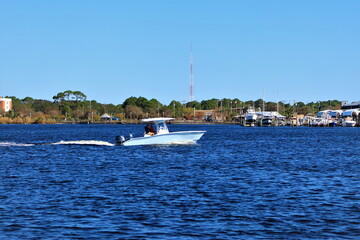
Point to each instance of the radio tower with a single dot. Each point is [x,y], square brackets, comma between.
[191,87]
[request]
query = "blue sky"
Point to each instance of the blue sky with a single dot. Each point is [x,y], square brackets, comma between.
[111,50]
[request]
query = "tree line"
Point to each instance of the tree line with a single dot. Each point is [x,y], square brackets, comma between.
[74,106]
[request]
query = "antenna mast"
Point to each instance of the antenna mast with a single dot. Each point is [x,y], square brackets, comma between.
[191,87]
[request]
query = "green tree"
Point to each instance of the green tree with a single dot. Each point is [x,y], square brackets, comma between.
[68,94]
[154,108]
[250,104]
[176,104]
[303,110]
[28,100]
[237,103]
[271,106]
[259,103]
[225,102]
[59,97]
[209,104]
[142,102]
[153,104]
[131,101]
[95,106]
[194,104]
[40,105]
[16,106]
[66,110]
[79,96]
[71,102]
[177,108]
[111,108]
[300,104]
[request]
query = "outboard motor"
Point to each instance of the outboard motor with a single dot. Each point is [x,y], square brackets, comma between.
[119,140]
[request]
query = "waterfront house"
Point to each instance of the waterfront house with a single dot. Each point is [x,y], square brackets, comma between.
[296,120]
[346,105]
[5,104]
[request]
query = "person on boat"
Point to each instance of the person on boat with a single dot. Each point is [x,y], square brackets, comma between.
[147,129]
[152,130]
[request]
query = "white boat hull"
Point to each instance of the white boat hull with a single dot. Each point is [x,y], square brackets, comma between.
[349,124]
[184,137]
[251,118]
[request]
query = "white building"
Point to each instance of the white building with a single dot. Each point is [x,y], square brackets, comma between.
[5,104]
[347,105]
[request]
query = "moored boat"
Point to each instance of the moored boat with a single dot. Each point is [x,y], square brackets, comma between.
[349,123]
[250,117]
[349,116]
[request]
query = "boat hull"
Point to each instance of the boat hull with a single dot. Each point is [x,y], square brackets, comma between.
[349,124]
[184,137]
[250,118]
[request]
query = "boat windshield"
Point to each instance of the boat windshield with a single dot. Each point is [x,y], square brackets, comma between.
[160,124]
[161,128]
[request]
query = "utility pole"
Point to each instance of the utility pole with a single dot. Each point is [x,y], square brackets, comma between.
[158,110]
[221,108]
[174,110]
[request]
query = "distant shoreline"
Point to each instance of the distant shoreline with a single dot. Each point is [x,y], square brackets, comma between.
[184,122]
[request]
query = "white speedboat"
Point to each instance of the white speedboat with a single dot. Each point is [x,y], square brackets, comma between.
[162,135]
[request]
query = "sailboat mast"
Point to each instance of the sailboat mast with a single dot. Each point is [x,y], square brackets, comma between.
[277,100]
[263,108]
[191,87]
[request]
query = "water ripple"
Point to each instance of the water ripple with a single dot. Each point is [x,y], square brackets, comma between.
[236,183]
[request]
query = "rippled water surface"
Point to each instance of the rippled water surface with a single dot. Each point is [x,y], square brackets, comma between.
[235,183]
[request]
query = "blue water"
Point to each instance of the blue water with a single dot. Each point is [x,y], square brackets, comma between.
[235,183]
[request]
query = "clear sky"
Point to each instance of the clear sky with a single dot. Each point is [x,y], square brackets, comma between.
[110,50]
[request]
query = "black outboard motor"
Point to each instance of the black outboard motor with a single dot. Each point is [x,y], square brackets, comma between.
[119,140]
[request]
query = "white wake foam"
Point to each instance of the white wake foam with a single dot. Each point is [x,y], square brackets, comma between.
[84,142]
[182,143]
[12,144]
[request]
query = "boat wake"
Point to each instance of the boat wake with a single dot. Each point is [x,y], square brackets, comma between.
[11,144]
[80,142]
[84,142]
[182,143]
